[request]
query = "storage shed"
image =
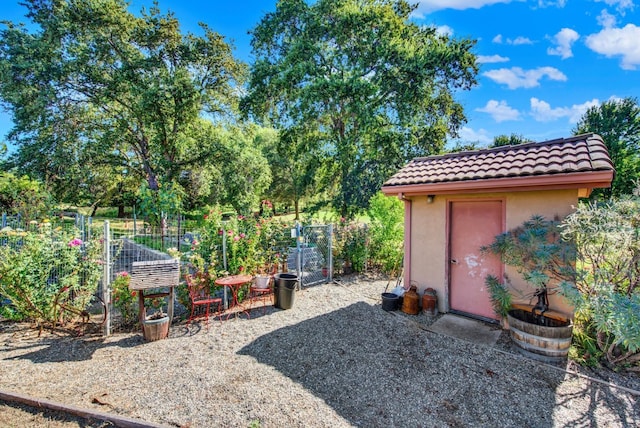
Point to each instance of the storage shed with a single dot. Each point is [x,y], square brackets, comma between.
[458,202]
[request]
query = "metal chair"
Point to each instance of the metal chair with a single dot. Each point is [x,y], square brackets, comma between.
[199,296]
[261,294]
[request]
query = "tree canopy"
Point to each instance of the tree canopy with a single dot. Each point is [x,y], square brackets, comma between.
[369,87]
[94,85]
[618,123]
[509,140]
[21,195]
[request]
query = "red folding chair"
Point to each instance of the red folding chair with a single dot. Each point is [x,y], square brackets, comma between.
[199,296]
[262,294]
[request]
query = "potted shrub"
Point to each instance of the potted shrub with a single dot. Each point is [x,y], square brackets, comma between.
[545,261]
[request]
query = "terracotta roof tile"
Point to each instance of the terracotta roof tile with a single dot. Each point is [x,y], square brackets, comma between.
[582,153]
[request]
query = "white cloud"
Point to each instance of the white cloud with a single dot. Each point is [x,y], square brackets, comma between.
[500,111]
[606,20]
[444,30]
[564,40]
[578,110]
[547,3]
[427,6]
[491,59]
[481,135]
[613,42]
[520,40]
[543,112]
[620,5]
[516,77]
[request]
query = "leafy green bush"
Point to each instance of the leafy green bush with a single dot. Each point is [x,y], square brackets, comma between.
[537,251]
[36,266]
[23,195]
[124,300]
[350,245]
[154,203]
[606,293]
[499,295]
[387,232]
[252,244]
[539,254]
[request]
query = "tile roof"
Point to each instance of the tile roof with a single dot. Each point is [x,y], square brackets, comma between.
[579,154]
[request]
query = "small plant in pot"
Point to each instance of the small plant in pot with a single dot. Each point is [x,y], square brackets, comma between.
[156,325]
[545,261]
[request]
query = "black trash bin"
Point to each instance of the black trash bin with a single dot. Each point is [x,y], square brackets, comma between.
[285,287]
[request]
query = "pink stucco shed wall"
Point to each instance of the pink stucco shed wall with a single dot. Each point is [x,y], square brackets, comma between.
[428,230]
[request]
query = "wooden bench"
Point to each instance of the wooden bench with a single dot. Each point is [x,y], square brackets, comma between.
[153,275]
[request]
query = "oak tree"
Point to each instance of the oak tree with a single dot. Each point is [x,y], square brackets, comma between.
[617,121]
[88,83]
[373,88]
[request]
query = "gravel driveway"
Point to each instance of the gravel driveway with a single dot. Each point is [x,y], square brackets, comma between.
[336,359]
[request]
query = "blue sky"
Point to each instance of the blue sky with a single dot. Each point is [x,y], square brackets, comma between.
[543,62]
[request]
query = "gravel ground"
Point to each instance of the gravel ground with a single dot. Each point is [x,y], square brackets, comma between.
[335,359]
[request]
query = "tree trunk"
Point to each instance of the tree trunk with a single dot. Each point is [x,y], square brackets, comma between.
[297,208]
[152,178]
[120,210]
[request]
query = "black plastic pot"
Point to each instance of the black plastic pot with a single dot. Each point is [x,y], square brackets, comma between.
[390,301]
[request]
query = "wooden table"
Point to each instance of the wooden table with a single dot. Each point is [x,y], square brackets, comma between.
[234,282]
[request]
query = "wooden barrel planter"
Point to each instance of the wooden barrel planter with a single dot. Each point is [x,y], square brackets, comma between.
[155,328]
[548,343]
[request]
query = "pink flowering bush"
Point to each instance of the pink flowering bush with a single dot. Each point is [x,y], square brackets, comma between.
[124,300]
[75,242]
[350,245]
[252,243]
[46,262]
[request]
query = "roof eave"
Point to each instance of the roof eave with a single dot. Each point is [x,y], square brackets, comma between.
[579,180]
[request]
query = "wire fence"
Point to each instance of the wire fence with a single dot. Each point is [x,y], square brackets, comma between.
[306,250]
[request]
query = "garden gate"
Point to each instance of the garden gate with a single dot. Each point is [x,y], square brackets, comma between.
[313,258]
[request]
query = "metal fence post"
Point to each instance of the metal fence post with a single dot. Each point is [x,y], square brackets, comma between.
[106,277]
[225,303]
[330,251]
[299,253]
[224,248]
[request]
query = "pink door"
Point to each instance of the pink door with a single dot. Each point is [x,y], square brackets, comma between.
[473,224]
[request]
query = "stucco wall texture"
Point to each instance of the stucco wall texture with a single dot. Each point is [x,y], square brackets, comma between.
[429,230]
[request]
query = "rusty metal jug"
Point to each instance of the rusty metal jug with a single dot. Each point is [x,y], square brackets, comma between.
[430,302]
[410,301]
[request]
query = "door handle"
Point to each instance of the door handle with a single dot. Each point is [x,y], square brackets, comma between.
[453,261]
